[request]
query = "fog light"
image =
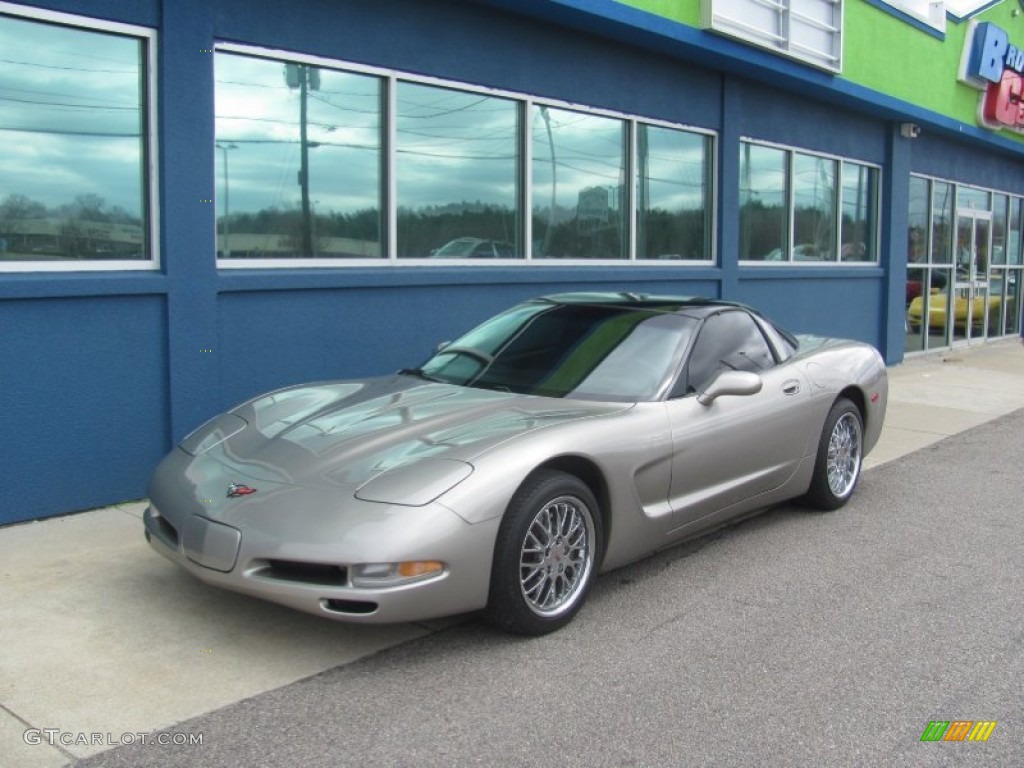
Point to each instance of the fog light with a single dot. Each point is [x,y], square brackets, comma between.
[392,574]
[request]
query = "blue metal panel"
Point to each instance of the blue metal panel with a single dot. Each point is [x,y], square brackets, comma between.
[895,194]
[822,301]
[766,113]
[937,156]
[82,402]
[188,230]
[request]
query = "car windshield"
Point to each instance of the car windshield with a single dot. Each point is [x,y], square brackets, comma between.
[581,351]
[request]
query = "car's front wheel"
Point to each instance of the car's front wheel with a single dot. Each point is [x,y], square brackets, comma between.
[545,555]
[840,453]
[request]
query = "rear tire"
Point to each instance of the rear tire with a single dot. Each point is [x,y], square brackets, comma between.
[840,454]
[545,556]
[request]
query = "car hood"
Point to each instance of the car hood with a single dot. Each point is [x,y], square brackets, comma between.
[346,433]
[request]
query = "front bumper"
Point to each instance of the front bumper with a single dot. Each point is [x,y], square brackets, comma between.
[315,576]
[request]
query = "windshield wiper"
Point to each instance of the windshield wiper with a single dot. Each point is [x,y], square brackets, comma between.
[421,374]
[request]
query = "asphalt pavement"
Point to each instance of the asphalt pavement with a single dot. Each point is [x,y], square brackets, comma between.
[790,639]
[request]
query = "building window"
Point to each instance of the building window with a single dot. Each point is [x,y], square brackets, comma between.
[328,164]
[797,207]
[673,190]
[299,156]
[808,30]
[457,158]
[929,264]
[968,287]
[579,175]
[75,121]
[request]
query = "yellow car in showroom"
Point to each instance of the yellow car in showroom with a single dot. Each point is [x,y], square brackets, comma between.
[937,303]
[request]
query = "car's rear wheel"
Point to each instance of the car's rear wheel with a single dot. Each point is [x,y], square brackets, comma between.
[545,555]
[838,462]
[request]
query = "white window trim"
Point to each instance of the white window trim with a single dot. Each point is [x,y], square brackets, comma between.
[527,102]
[839,263]
[152,213]
[781,44]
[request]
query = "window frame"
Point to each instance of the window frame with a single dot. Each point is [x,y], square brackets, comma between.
[837,209]
[930,265]
[721,17]
[149,162]
[389,181]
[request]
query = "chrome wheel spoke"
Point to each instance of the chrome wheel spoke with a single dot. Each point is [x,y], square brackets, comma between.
[556,556]
[844,455]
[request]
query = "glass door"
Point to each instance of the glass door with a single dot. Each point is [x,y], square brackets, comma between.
[971,301]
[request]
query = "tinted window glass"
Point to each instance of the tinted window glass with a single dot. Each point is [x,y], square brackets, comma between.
[727,341]
[457,174]
[298,160]
[763,204]
[673,183]
[74,147]
[579,163]
[581,351]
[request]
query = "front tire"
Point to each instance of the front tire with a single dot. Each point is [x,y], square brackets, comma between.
[545,555]
[840,454]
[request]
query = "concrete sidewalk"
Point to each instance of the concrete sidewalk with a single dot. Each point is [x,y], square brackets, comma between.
[103,641]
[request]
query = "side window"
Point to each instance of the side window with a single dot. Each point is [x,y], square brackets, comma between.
[729,340]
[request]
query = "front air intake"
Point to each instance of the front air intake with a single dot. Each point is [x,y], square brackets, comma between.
[354,607]
[322,574]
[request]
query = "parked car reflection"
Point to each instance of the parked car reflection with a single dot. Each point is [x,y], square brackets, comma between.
[474,248]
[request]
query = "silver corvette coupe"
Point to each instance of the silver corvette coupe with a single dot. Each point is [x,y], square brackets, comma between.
[566,436]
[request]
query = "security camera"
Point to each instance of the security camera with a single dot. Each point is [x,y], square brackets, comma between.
[910,130]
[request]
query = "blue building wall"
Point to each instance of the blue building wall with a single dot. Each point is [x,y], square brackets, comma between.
[100,373]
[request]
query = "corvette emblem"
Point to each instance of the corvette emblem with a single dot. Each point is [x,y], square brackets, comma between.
[237,489]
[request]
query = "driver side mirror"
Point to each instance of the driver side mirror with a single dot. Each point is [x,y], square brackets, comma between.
[730,383]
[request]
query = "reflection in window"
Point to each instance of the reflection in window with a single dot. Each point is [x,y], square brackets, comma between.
[814,184]
[999,203]
[783,192]
[942,223]
[764,220]
[456,173]
[316,162]
[299,156]
[975,199]
[1015,240]
[672,194]
[73,123]
[858,212]
[579,173]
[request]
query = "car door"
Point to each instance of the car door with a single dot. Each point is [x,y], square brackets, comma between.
[738,447]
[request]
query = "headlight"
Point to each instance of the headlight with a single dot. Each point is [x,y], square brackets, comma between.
[416,483]
[393,574]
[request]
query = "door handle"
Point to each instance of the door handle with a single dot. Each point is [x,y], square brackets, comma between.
[791,387]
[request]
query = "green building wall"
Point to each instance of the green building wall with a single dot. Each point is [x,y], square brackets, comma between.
[884,53]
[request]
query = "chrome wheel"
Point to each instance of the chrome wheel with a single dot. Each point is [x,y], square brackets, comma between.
[557,556]
[546,554]
[838,462]
[844,455]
